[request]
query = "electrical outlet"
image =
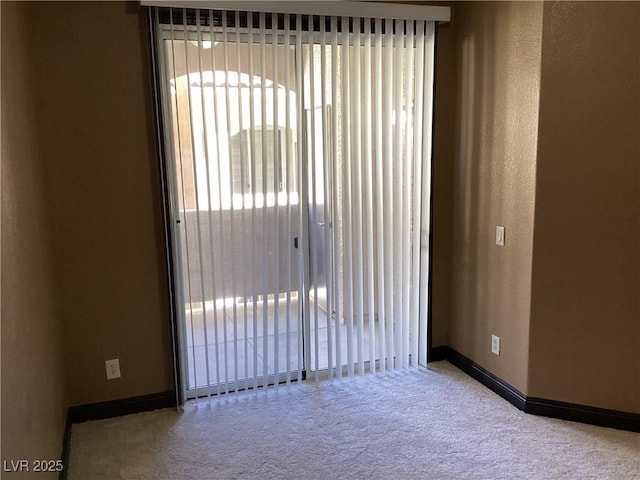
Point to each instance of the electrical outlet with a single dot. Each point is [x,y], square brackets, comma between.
[113,368]
[500,235]
[495,344]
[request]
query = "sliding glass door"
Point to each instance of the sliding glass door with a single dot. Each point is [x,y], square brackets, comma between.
[235,180]
[297,152]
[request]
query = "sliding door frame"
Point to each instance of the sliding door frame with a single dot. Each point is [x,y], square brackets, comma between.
[172,236]
[168,222]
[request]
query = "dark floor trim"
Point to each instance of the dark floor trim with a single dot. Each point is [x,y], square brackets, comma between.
[118,408]
[584,414]
[539,406]
[488,379]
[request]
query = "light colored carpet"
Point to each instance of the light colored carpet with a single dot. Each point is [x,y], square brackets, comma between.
[418,424]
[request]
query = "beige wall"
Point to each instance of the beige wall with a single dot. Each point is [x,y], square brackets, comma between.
[95,107]
[549,115]
[33,380]
[585,311]
[499,48]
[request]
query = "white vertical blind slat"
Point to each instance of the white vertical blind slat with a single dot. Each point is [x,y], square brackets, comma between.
[327,200]
[288,180]
[368,173]
[388,194]
[313,188]
[245,265]
[252,183]
[380,231]
[337,227]
[276,224]
[346,162]
[303,297]
[263,172]
[417,189]
[398,182]
[357,196]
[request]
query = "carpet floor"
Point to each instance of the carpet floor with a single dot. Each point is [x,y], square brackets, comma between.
[434,423]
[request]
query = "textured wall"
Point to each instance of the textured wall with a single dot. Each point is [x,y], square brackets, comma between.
[33,399]
[499,46]
[95,104]
[585,312]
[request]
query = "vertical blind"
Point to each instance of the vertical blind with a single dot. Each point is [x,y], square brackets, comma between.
[298,157]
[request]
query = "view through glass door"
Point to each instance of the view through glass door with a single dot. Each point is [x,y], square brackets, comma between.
[239,213]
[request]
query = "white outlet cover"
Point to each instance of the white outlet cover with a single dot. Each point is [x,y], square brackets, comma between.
[495,344]
[113,368]
[500,235]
